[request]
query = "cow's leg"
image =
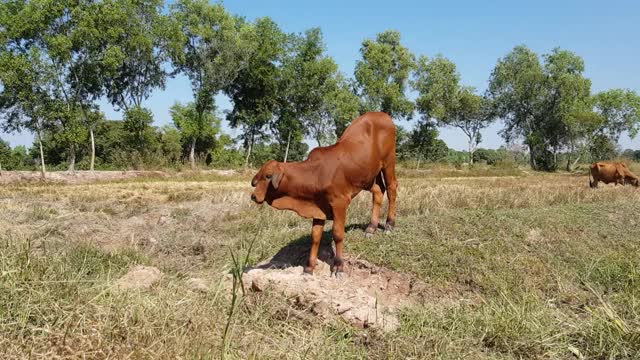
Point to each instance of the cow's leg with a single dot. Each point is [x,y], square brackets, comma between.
[391,182]
[339,218]
[316,235]
[377,192]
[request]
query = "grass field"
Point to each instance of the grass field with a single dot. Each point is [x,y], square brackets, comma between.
[536,266]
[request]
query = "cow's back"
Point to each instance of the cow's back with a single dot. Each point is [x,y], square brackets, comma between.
[372,134]
[360,153]
[606,172]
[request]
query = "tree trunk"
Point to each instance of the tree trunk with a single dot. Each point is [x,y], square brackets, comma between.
[286,152]
[93,149]
[72,159]
[575,162]
[246,160]
[418,164]
[43,170]
[0,168]
[471,151]
[192,154]
[532,158]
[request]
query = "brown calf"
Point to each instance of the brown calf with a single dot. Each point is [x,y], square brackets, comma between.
[615,172]
[322,186]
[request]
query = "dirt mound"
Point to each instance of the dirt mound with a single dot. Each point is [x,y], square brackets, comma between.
[198,285]
[366,295]
[139,277]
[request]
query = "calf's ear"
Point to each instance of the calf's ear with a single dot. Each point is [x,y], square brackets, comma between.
[276,178]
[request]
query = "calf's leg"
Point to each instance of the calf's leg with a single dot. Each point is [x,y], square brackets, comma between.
[339,218]
[316,235]
[377,192]
[392,188]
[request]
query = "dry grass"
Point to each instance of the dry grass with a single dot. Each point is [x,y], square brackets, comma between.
[550,264]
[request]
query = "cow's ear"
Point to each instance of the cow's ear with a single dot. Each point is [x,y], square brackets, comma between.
[276,178]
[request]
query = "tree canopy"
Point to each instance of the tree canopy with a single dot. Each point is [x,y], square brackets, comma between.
[60,60]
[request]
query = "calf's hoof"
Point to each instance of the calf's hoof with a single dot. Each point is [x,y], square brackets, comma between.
[308,270]
[370,230]
[338,266]
[388,227]
[340,275]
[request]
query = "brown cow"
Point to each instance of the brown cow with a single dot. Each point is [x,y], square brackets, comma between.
[615,172]
[321,187]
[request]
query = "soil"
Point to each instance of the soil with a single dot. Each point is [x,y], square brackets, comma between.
[82,177]
[365,295]
[139,278]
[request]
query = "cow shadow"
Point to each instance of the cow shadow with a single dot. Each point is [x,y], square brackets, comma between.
[296,252]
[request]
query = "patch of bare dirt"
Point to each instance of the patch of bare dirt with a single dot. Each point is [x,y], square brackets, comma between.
[366,295]
[139,278]
[83,177]
[198,285]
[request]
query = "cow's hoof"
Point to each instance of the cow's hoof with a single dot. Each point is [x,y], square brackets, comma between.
[370,230]
[338,266]
[307,270]
[388,228]
[340,275]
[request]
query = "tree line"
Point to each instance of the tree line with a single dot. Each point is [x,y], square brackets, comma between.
[59,58]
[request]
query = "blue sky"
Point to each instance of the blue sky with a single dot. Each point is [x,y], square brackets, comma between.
[474,34]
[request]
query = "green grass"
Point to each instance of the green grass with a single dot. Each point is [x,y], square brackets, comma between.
[517,267]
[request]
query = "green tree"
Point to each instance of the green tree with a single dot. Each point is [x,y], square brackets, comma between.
[193,127]
[340,104]
[70,131]
[5,154]
[225,153]
[26,100]
[61,35]
[490,156]
[606,116]
[581,128]
[140,134]
[212,49]
[620,111]
[133,40]
[403,149]
[631,154]
[309,78]
[171,144]
[602,148]
[383,74]
[13,159]
[124,46]
[441,97]
[111,142]
[306,77]
[254,92]
[535,99]
[424,143]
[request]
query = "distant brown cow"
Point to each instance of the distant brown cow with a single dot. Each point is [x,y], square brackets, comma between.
[321,187]
[616,172]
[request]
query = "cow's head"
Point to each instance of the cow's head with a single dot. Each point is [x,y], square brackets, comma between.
[267,181]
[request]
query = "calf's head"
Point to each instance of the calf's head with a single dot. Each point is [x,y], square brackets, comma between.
[267,181]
